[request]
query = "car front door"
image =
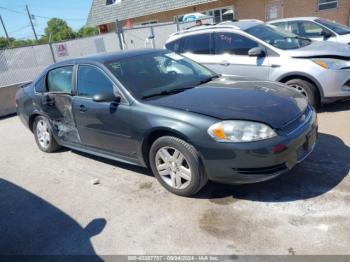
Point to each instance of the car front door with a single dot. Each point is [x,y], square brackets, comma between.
[57,103]
[231,56]
[101,125]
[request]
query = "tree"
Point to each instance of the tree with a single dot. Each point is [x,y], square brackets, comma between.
[87,31]
[59,30]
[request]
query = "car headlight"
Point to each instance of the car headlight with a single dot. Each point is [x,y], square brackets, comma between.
[240,131]
[330,63]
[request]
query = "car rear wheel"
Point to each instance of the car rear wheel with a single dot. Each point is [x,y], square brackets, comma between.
[305,88]
[176,165]
[43,135]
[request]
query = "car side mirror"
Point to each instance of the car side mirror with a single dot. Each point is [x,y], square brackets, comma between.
[106,97]
[257,52]
[326,34]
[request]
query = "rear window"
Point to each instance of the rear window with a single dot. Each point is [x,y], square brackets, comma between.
[40,85]
[197,44]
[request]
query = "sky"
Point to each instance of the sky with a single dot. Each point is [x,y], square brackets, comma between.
[13,13]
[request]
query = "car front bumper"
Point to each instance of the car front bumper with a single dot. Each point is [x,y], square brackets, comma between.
[241,163]
[335,84]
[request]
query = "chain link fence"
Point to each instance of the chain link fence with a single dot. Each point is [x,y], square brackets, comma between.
[19,65]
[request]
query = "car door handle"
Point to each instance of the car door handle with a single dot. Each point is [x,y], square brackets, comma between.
[82,108]
[225,63]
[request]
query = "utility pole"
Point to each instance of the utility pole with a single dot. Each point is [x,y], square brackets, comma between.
[31,22]
[3,26]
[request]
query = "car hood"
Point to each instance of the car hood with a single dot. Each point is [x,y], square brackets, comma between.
[229,98]
[320,49]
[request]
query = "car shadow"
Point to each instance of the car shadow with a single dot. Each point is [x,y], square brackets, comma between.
[335,107]
[31,226]
[325,168]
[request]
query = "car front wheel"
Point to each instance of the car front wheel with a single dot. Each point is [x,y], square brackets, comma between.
[305,88]
[43,135]
[175,164]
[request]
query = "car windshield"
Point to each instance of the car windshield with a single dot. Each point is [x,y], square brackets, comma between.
[277,37]
[159,74]
[338,28]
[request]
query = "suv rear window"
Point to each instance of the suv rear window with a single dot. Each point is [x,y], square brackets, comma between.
[197,44]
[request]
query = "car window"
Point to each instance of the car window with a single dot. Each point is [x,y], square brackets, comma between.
[92,80]
[305,28]
[281,25]
[197,44]
[60,79]
[278,38]
[233,44]
[336,27]
[175,46]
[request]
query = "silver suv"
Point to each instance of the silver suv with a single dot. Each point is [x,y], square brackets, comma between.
[315,28]
[251,48]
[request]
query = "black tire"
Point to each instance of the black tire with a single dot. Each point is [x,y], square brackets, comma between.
[198,176]
[308,89]
[52,145]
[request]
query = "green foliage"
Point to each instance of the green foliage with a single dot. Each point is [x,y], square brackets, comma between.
[87,31]
[59,30]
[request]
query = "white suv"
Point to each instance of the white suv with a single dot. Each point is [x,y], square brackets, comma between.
[251,48]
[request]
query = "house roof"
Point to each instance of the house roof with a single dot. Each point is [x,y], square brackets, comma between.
[100,13]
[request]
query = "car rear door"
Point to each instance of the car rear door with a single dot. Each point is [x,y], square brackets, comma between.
[198,47]
[102,125]
[231,56]
[57,103]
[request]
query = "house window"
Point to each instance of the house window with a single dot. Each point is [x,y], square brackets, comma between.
[112,2]
[327,4]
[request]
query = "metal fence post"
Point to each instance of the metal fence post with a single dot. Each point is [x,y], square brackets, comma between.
[177,24]
[52,52]
[119,32]
[152,36]
[51,49]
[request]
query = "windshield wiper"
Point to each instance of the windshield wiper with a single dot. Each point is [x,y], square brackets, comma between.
[298,37]
[167,92]
[208,79]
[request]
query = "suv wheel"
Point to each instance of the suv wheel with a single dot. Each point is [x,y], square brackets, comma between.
[43,135]
[305,88]
[176,165]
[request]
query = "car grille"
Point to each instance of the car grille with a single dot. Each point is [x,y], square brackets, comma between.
[299,122]
[261,171]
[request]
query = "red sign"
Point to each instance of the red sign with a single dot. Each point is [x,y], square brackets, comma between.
[62,50]
[129,24]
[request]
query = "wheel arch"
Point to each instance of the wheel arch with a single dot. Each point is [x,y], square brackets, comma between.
[300,75]
[153,135]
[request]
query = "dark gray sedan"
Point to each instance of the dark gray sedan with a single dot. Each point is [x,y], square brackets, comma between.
[157,109]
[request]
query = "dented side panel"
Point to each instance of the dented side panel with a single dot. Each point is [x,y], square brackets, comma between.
[58,108]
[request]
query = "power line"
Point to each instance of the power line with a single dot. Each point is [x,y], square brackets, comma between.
[39,16]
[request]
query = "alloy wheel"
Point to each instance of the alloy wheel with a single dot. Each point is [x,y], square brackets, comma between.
[173,167]
[43,134]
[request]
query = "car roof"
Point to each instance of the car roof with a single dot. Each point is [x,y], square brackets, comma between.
[238,25]
[306,18]
[112,56]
